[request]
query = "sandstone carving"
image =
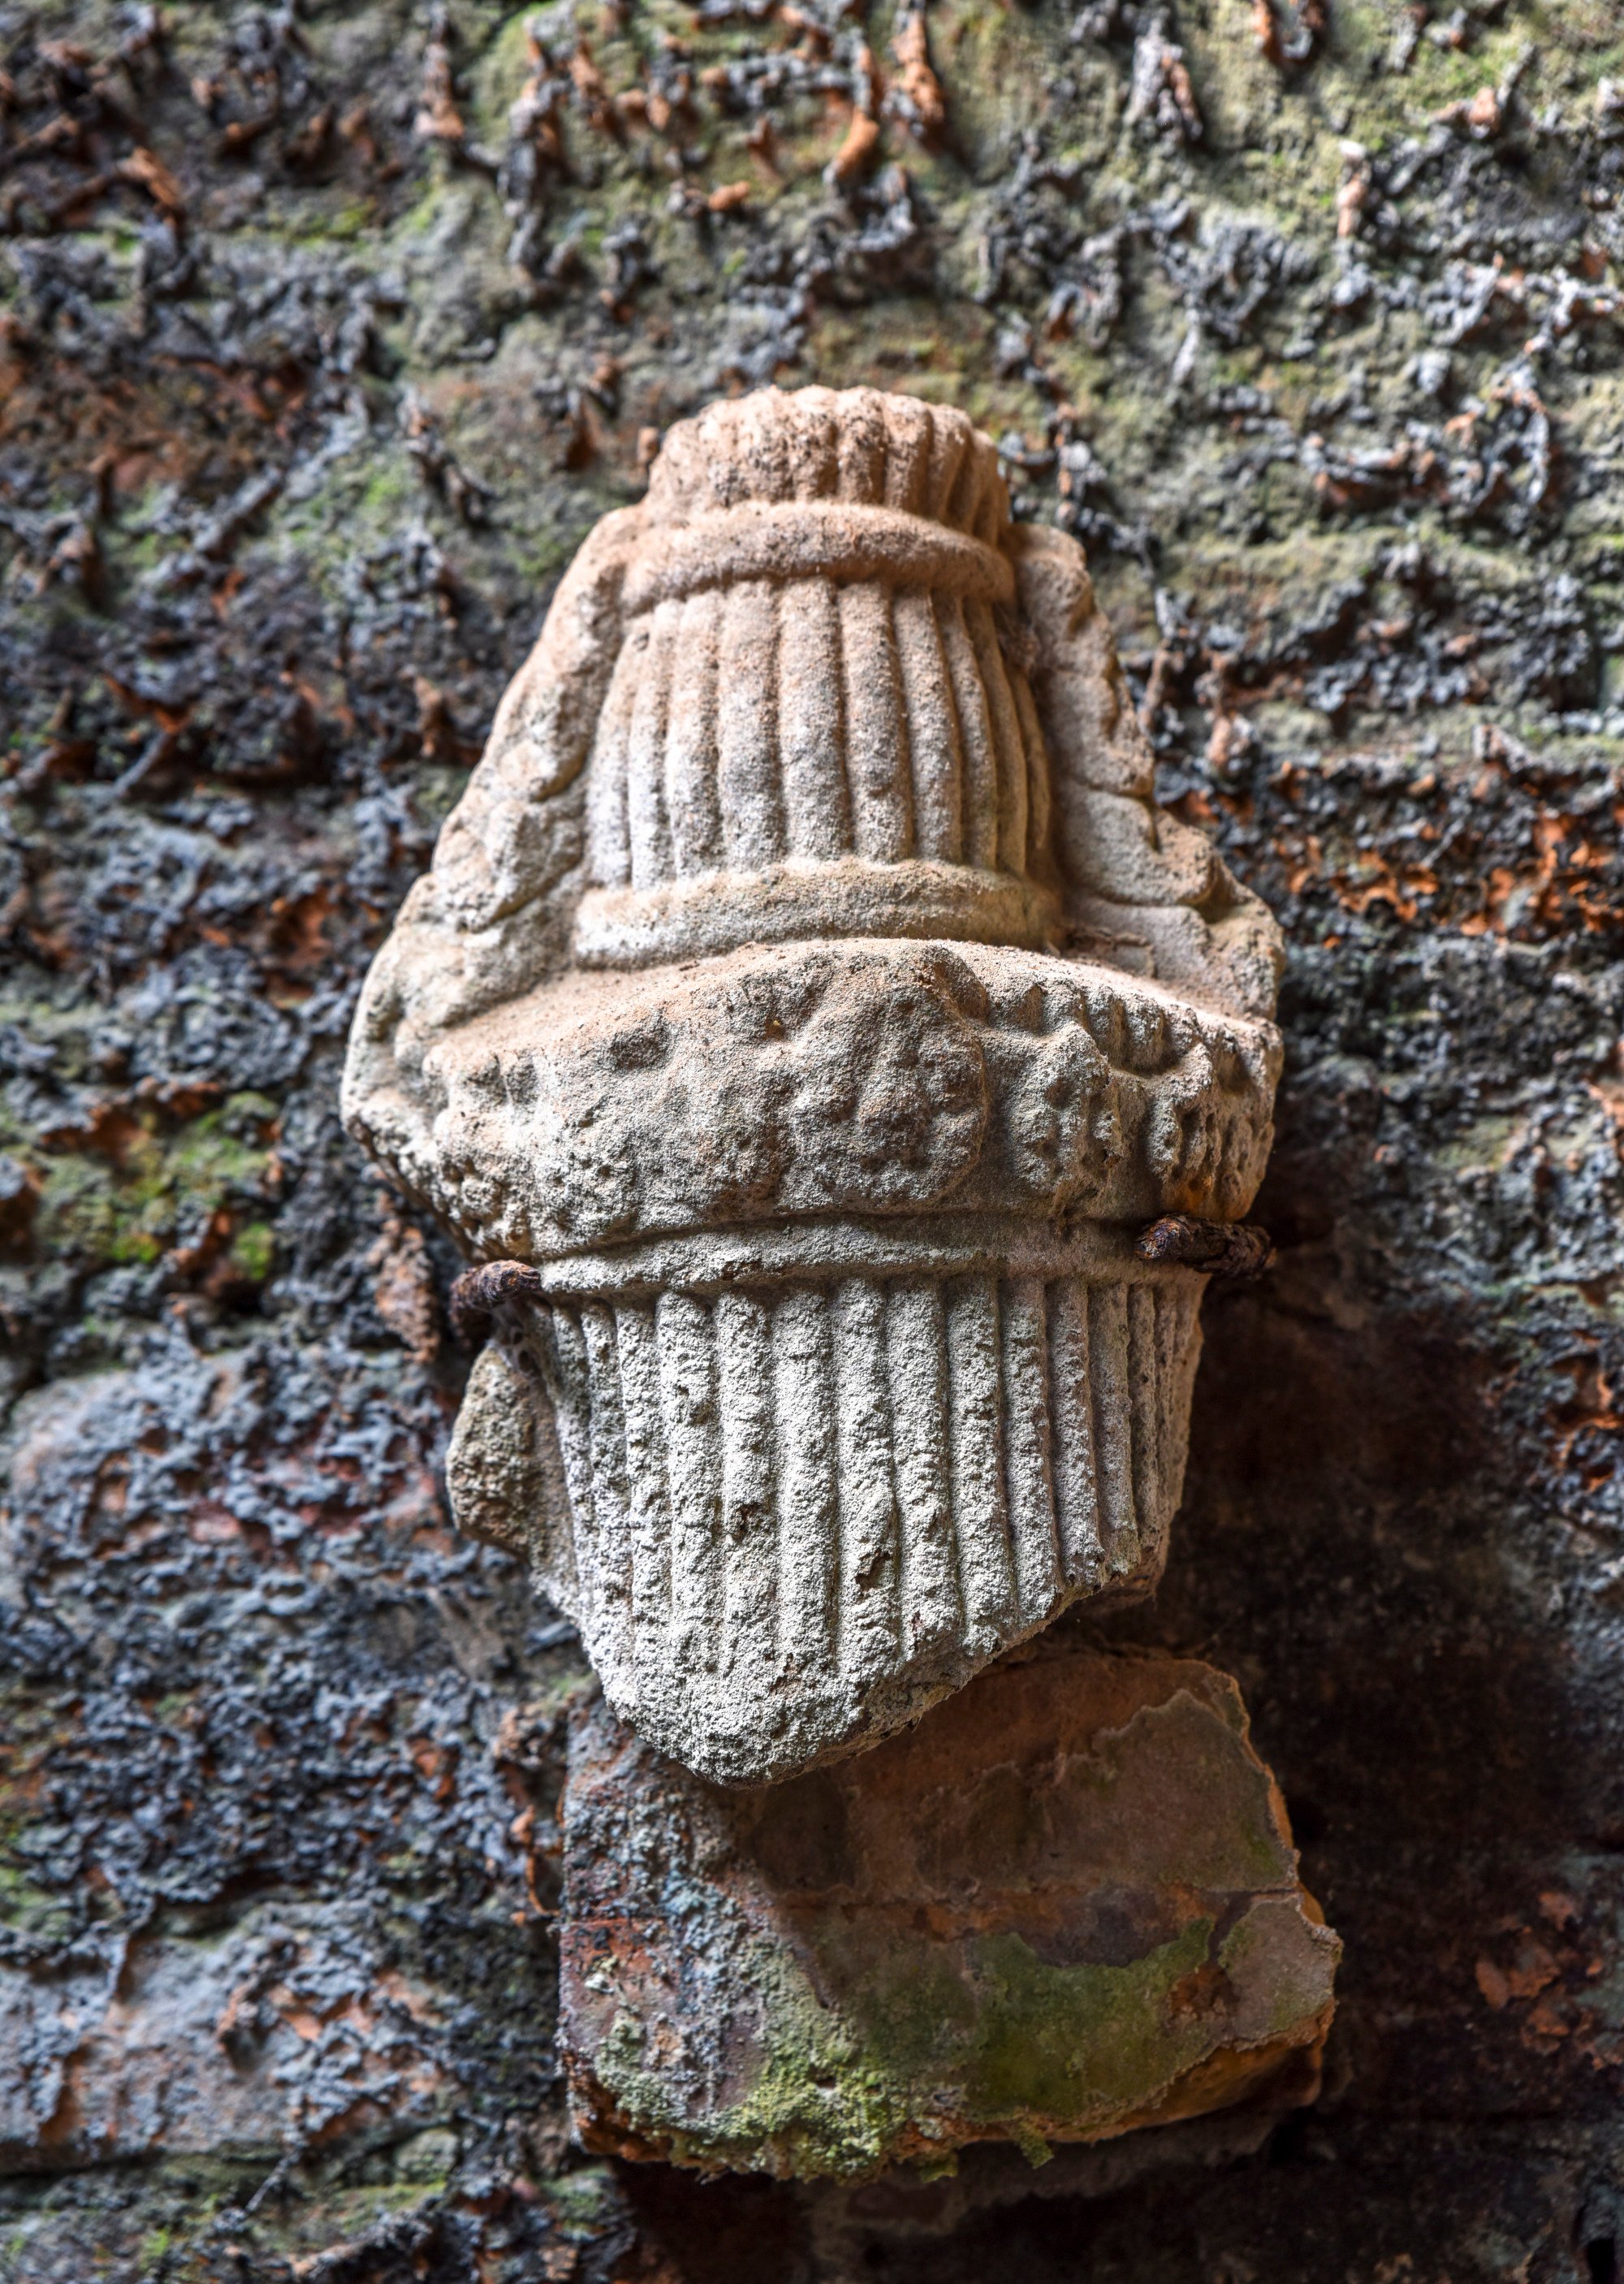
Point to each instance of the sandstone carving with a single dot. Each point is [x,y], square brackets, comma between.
[808,996]
[1065,1904]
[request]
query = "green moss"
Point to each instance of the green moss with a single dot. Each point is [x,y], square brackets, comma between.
[1482,1146]
[155,1188]
[580,2199]
[1080,2044]
[494,82]
[389,485]
[816,2105]
[917,2019]
[253,1251]
[1031,2146]
[77,1216]
[213,1153]
[1017,2038]
[993,63]
[357,509]
[321,2210]
[33,1910]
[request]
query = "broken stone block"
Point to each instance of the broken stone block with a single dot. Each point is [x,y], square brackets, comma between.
[1064,1905]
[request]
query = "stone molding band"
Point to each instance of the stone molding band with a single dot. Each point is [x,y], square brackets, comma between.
[799,539]
[935,1247]
[708,913]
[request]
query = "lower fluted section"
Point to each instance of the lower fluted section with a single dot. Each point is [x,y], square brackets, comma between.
[801,1513]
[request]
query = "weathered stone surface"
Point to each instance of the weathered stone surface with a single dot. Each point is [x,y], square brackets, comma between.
[289,2026]
[1064,1905]
[762,998]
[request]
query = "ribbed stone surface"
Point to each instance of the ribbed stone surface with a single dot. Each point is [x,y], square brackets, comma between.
[801,1513]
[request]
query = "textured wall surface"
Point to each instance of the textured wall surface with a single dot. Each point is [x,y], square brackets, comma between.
[327,332]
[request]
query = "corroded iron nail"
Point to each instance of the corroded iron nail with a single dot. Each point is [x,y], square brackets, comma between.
[481,1290]
[1237,1249]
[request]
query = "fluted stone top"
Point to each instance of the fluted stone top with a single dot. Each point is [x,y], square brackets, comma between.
[820,717]
[856,448]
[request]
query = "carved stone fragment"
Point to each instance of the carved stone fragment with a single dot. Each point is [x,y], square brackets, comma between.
[1065,1905]
[809,997]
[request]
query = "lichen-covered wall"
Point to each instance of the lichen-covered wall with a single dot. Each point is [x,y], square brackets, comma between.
[327,333]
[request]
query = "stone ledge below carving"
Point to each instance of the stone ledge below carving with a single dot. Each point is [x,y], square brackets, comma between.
[1063,1907]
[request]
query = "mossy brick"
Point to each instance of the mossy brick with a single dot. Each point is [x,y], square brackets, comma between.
[1064,1905]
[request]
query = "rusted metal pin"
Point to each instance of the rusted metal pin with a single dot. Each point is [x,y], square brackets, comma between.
[1238,1250]
[480,1291]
